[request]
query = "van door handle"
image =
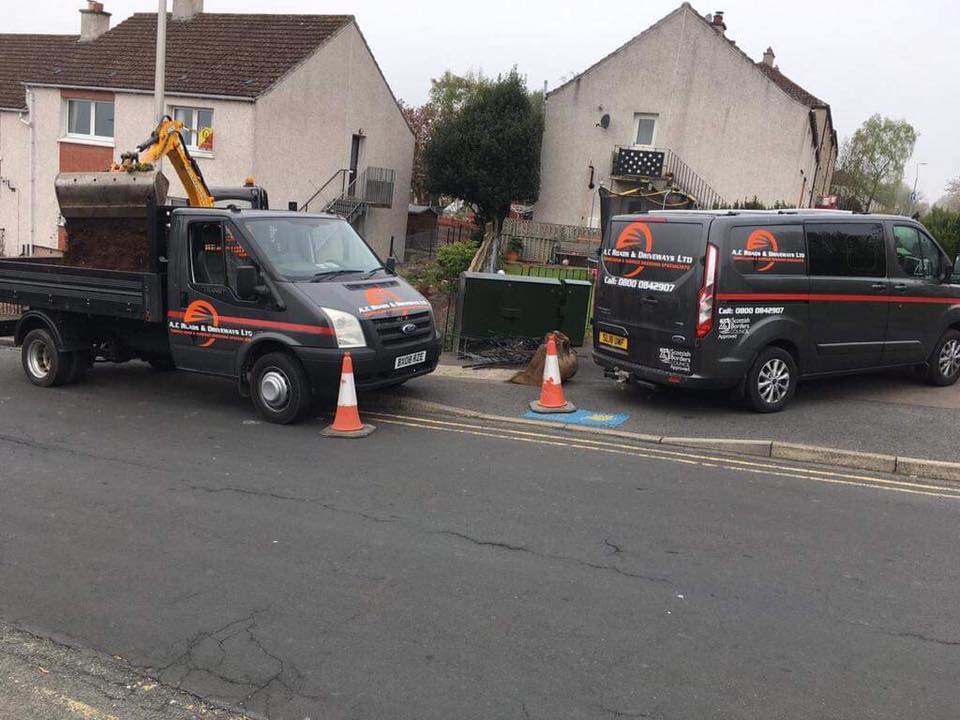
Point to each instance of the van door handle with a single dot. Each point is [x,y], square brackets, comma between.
[878,286]
[649,300]
[900,288]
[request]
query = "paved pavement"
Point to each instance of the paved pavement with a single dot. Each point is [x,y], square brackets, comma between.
[446,569]
[892,412]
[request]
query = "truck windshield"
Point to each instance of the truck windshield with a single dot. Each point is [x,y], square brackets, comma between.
[308,249]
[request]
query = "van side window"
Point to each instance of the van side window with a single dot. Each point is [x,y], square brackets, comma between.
[846,250]
[206,253]
[917,255]
[770,250]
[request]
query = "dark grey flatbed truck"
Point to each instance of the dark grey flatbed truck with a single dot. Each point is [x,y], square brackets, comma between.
[270,299]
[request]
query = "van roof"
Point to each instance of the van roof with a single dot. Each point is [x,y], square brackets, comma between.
[799,213]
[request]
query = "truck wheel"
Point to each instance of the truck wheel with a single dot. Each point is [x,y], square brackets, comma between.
[944,365]
[772,381]
[44,364]
[280,388]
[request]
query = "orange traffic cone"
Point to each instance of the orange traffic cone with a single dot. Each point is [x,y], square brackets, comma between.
[347,421]
[551,392]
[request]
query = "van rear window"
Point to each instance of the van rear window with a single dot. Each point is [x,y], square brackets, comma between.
[657,252]
[846,250]
[770,250]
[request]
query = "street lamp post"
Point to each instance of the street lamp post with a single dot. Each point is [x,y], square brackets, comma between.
[913,195]
[161,67]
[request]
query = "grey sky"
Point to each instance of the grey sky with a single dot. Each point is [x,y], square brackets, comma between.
[897,58]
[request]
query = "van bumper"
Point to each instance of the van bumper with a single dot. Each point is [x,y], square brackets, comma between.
[372,368]
[614,365]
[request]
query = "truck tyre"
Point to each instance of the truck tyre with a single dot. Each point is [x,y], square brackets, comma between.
[280,388]
[772,381]
[944,365]
[44,364]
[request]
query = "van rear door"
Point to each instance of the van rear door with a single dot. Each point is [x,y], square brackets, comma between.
[651,269]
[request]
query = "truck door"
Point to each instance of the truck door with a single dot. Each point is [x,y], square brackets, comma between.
[918,299]
[206,318]
[849,293]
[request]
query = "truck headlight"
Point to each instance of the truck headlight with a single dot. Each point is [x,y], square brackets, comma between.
[347,327]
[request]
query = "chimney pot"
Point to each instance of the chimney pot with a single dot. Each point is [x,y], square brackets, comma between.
[94,22]
[186,9]
[717,22]
[769,57]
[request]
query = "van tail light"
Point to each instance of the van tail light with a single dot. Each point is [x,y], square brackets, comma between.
[706,298]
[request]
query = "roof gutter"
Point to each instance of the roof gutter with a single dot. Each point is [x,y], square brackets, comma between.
[132,91]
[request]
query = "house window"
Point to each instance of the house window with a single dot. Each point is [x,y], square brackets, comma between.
[645,126]
[90,119]
[197,127]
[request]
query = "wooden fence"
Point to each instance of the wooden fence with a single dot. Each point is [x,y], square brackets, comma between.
[540,241]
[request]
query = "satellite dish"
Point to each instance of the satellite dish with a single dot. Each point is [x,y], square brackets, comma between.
[604,121]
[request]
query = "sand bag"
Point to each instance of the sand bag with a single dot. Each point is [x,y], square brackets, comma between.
[533,373]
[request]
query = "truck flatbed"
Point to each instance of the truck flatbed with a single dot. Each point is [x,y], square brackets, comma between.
[52,285]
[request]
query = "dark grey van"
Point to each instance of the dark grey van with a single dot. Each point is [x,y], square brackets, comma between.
[760,300]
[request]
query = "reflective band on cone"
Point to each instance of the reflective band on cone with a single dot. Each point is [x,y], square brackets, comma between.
[551,392]
[347,421]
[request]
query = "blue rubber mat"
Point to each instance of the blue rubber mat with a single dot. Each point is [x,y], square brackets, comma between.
[581,417]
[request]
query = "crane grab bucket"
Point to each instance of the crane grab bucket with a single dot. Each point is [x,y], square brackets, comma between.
[109,194]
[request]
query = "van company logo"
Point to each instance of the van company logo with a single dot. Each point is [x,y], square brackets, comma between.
[763,243]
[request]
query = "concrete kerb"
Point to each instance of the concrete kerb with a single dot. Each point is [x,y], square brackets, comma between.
[875,462]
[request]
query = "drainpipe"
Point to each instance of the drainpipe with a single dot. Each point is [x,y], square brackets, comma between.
[161,62]
[33,172]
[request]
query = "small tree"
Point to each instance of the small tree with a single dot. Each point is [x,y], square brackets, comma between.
[944,225]
[951,201]
[450,92]
[488,152]
[420,120]
[871,163]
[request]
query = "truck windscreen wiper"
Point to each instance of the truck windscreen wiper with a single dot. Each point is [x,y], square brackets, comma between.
[320,277]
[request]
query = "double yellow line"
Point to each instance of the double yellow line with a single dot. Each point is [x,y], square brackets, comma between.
[616,446]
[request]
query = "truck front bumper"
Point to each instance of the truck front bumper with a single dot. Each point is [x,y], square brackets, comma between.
[372,368]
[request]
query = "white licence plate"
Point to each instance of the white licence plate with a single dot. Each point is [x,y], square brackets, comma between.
[411,359]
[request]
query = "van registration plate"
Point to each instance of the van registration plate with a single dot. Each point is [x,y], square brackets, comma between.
[617,341]
[411,359]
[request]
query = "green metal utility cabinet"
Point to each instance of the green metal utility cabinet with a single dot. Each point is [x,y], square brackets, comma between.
[492,305]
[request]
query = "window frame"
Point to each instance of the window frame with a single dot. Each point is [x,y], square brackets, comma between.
[192,129]
[637,117]
[92,135]
[809,227]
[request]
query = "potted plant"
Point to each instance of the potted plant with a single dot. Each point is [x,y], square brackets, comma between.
[514,248]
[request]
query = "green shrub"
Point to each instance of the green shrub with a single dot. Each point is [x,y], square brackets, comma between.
[944,225]
[454,259]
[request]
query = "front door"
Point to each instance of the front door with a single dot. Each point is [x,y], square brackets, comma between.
[205,334]
[355,144]
[849,293]
[914,306]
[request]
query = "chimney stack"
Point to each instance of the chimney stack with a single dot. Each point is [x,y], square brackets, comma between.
[186,9]
[717,22]
[768,57]
[94,22]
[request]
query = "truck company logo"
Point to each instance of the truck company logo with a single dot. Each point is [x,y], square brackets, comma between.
[381,301]
[201,320]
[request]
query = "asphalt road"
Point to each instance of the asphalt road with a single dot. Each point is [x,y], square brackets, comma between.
[446,569]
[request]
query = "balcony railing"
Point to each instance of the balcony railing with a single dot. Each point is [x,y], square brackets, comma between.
[664,164]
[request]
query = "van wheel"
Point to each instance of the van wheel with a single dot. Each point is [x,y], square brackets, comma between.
[772,381]
[280,388]
[44,364]
[944,365]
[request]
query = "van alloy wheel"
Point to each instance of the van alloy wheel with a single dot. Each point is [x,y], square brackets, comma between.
[773,382]
[950,358]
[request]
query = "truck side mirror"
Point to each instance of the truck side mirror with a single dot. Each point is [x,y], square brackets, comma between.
[391,265]
[246,279]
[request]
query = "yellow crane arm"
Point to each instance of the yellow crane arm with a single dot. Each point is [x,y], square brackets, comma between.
[167,141]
